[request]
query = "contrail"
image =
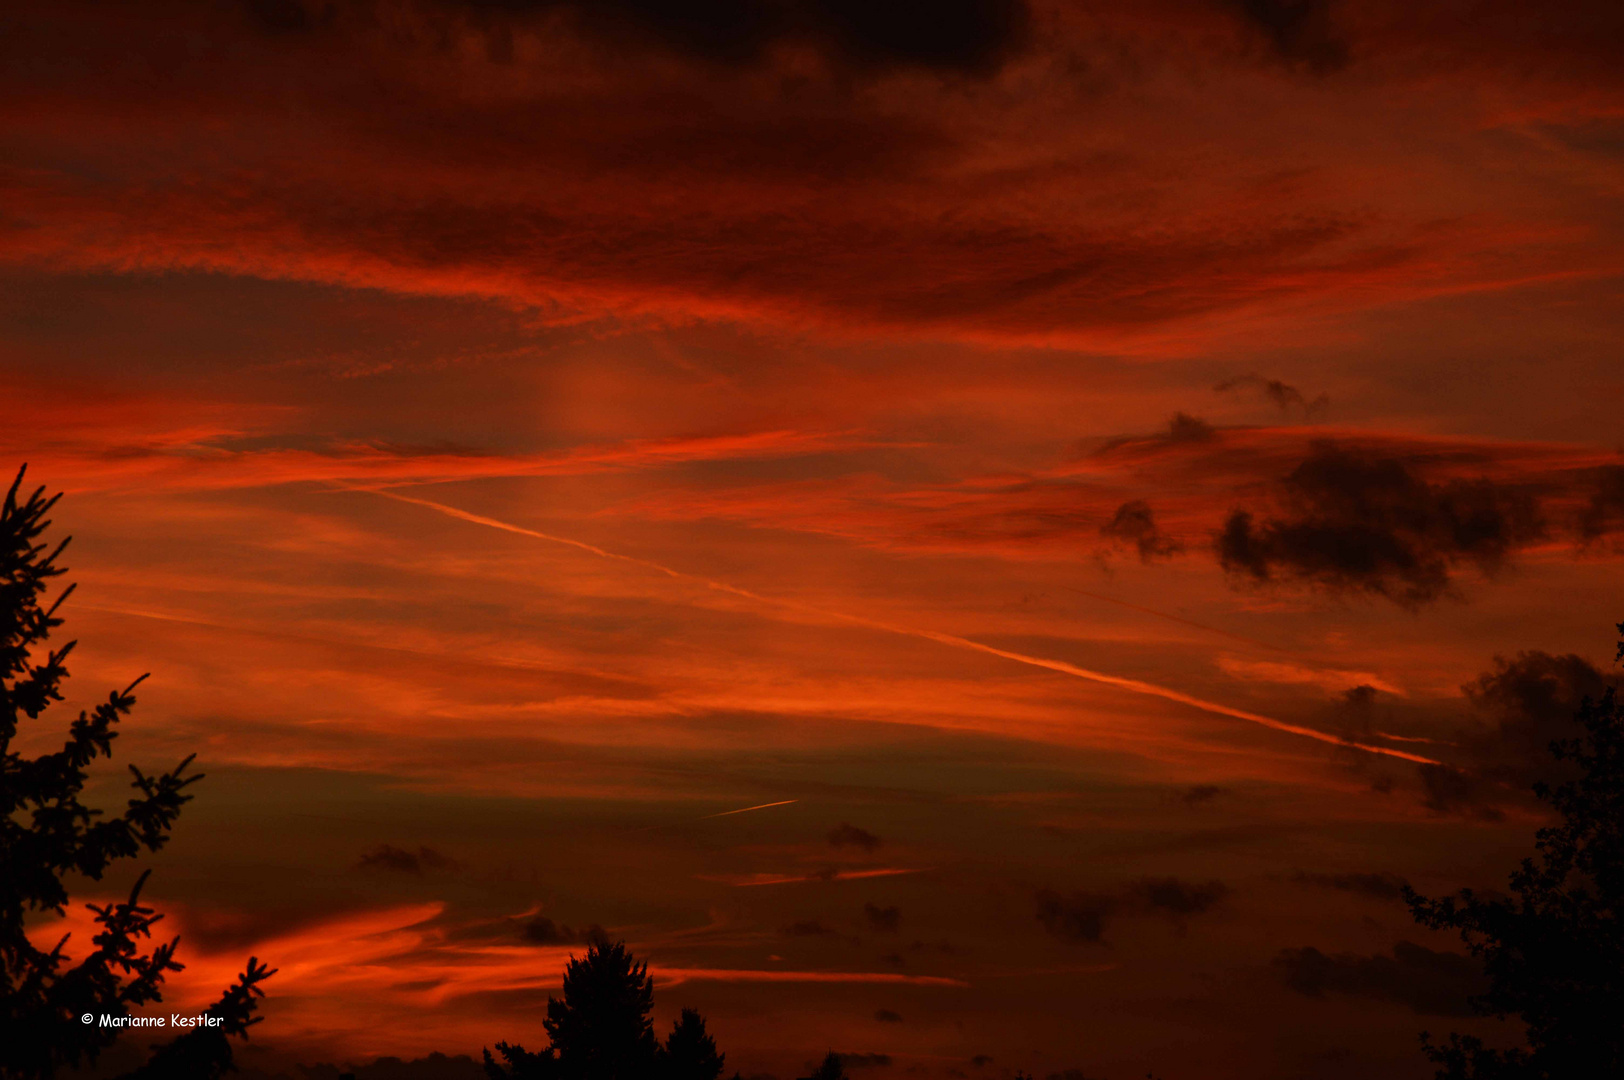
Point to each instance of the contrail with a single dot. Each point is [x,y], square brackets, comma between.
[1132,685]
[707,817]
[747,809]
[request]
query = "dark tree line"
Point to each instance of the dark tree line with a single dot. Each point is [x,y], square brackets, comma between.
[47,833]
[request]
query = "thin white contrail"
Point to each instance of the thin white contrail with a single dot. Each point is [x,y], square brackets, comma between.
[1132,685]
[707,817]
[747,809]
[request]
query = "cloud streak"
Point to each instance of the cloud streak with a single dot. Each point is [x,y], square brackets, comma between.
[1136,686]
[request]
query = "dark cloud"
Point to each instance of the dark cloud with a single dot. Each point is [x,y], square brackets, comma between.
[1135,524]
[847,835]
[886,1016]
[404,861]
[806,928]
[1068,1074]
[1524,705]
[1170,896]
[1361,697]
[1284,395]
[1200,794]
[286,16]
[969,37]
[886,920]
[894,959]
[1355,522]
[1379,886]
[1078,917]
[940,946]
[1083,916]
[1299,32]
[1184,428]
[864,1061]
[1447,789]
[543,931]
[981,1061]
[1431,983]
[1606,505]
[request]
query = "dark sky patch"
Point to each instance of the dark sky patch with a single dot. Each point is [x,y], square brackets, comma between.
[1199,794]
[887,1016]
[1171,896]
[1604,511]
[1300,33]
[1079,917]
[1379,886]
[886,920]
[544,931]
[405,861]
[1083,917]
[1430,983]
[1184,428]
[865,1061]
[805,928]
[848,835]
[951,37]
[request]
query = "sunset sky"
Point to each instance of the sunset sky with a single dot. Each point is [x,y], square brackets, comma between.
[1115,488]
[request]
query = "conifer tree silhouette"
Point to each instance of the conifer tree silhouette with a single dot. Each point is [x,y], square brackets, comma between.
[829,1069]
[600,1029]
[1554,950]
[689,1052]
[46,833]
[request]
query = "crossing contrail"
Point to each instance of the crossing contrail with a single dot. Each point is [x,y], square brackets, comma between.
[1136,686]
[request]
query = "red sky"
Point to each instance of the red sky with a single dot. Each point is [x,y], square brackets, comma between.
[515,434]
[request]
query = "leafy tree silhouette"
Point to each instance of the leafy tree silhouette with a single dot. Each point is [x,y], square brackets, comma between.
[689,1052]
[46,833]
[1554,950]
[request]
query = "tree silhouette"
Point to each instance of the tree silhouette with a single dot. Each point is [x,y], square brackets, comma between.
[829,1069]
[46,833]
[689,1052]
[1553,950]
[521,1064]
[600,1029]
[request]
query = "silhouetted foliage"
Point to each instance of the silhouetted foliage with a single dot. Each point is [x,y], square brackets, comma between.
[46,833]
[600,1029]
[1553,951]
[521,1064]
[829,1069]
[689,1052]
